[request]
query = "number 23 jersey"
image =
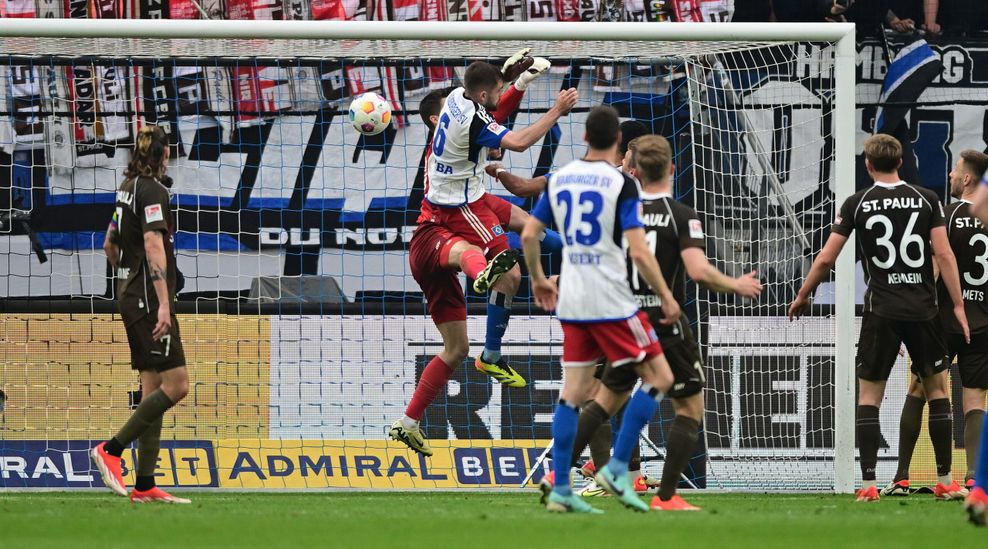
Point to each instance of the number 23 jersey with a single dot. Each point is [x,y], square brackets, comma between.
[592,204]
[894,221]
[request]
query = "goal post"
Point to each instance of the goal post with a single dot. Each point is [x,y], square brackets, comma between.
[294,237]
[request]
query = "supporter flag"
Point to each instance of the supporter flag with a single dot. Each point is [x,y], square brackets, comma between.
[391,76]
[258,91]
[911,71]
[113,88]
[436,10]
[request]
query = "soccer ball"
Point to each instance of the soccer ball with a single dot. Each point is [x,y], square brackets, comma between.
[370,113]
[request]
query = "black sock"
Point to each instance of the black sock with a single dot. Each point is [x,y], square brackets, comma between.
[591,418]
[113,447]
[635,464]
[683,434]
[910,423]
[972,439]
[941,426]
[600,445]
[869,437]
[144,483]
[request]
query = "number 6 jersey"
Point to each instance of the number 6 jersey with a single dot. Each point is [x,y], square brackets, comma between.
[894,221]
[592,204]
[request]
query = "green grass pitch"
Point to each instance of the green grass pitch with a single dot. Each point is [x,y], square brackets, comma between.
[442,519]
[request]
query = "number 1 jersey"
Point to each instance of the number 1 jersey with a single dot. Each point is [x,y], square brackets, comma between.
[894,221]
[592,204]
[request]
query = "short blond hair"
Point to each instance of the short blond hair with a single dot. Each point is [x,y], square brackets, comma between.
[884,152]
[651,156]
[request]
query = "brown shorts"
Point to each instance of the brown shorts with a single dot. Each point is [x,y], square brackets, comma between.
[155,356]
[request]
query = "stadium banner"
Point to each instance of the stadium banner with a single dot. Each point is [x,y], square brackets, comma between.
[235,202]
[305,402]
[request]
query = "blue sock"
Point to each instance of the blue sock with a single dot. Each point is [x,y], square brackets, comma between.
[981,473]
[563,436]
[551,242]
[640,409]
[498,313]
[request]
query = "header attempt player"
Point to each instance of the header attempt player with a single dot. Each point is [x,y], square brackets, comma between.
[897,223]
[464,229]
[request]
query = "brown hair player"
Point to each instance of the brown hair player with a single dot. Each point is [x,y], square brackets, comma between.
[897,226]
[139,245]
[462,225]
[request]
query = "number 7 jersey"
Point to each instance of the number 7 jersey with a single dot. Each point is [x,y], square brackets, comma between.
[592,204]
[894,221]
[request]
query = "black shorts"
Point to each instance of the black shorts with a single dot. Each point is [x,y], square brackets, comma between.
[683,355]
[155,356]
[972,359]
[881,338]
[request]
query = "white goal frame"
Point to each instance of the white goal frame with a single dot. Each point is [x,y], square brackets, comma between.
[842,34]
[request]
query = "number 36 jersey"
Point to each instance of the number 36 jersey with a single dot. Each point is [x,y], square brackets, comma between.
[894,223]
[592,204]
[969,240]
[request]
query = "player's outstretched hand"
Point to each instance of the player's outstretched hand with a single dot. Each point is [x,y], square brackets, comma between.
[566,100]
[545,293]
[670,310]
[962,320]
[798,307]
[492,169]
[164,324]
[748,285]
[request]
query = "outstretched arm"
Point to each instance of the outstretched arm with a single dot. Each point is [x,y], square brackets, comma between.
[699,268]
[523,139]
[822,265]
[515,184]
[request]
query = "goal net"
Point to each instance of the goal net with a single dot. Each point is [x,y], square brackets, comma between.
[303,329]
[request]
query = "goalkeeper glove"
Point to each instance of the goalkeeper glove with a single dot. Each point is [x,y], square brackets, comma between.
[538,68]
[516,64]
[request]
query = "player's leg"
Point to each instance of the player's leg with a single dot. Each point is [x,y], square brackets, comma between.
[680,444]
[972,364]
[687,402]
[976,503]
[928,351]
[146,354]
[974,419]
[910,424]
[495,213]
[434,379]
[878,347]
[149,443]
[173,382]
[433,257]
[869,430]
[551,241]
[580,354]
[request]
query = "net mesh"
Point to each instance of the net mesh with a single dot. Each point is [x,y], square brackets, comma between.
[304,330]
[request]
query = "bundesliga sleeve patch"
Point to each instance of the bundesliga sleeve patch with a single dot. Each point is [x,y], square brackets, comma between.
[838,220]
[696,229]
[153,213]
[495,128]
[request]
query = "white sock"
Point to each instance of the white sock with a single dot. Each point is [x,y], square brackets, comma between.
[409,423]
[945,479]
